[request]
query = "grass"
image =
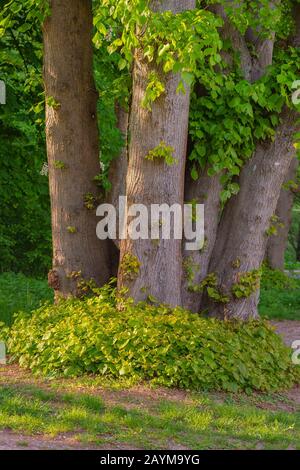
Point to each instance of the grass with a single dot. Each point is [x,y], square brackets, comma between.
[280,304]
[293,265]
[18,292]
[99,414]
[279,296]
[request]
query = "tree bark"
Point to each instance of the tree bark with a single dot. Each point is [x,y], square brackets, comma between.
[206,190]
[118,167]
[298,246]
[277,243]
[117,178]
[154,182]
[72,147]
[242,234]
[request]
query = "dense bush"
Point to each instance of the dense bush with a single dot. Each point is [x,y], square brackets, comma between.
[156,343]
[25,231]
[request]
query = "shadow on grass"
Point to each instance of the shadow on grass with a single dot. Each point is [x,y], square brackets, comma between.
[201,423]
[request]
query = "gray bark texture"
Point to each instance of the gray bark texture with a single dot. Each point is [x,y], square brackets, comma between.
[154,182]
[242,234]
[298,246]
[118,168]
[206,190]
[117,178]
[277,243]
[72,147]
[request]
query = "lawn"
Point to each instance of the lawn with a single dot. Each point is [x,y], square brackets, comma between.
[18,292]
[279,296]
[94,412]
[280,304]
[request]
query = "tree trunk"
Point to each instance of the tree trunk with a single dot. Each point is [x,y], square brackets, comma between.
[118,167]
[72,147]
[233,285]
[277,242]
[117,178]
[158,264]
[298,246]
[206,190]
[242,234]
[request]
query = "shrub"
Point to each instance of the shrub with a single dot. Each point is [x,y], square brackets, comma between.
[171,347]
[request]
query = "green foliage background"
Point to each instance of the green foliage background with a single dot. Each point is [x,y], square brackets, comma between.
[25,228]
[24,209]
[227,118]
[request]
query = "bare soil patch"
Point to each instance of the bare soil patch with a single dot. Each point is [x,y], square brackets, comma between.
[288,329]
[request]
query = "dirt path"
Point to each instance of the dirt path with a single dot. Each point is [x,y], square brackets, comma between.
[289,329]
[12,441]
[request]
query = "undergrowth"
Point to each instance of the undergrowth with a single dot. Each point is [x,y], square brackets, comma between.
[171,347]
